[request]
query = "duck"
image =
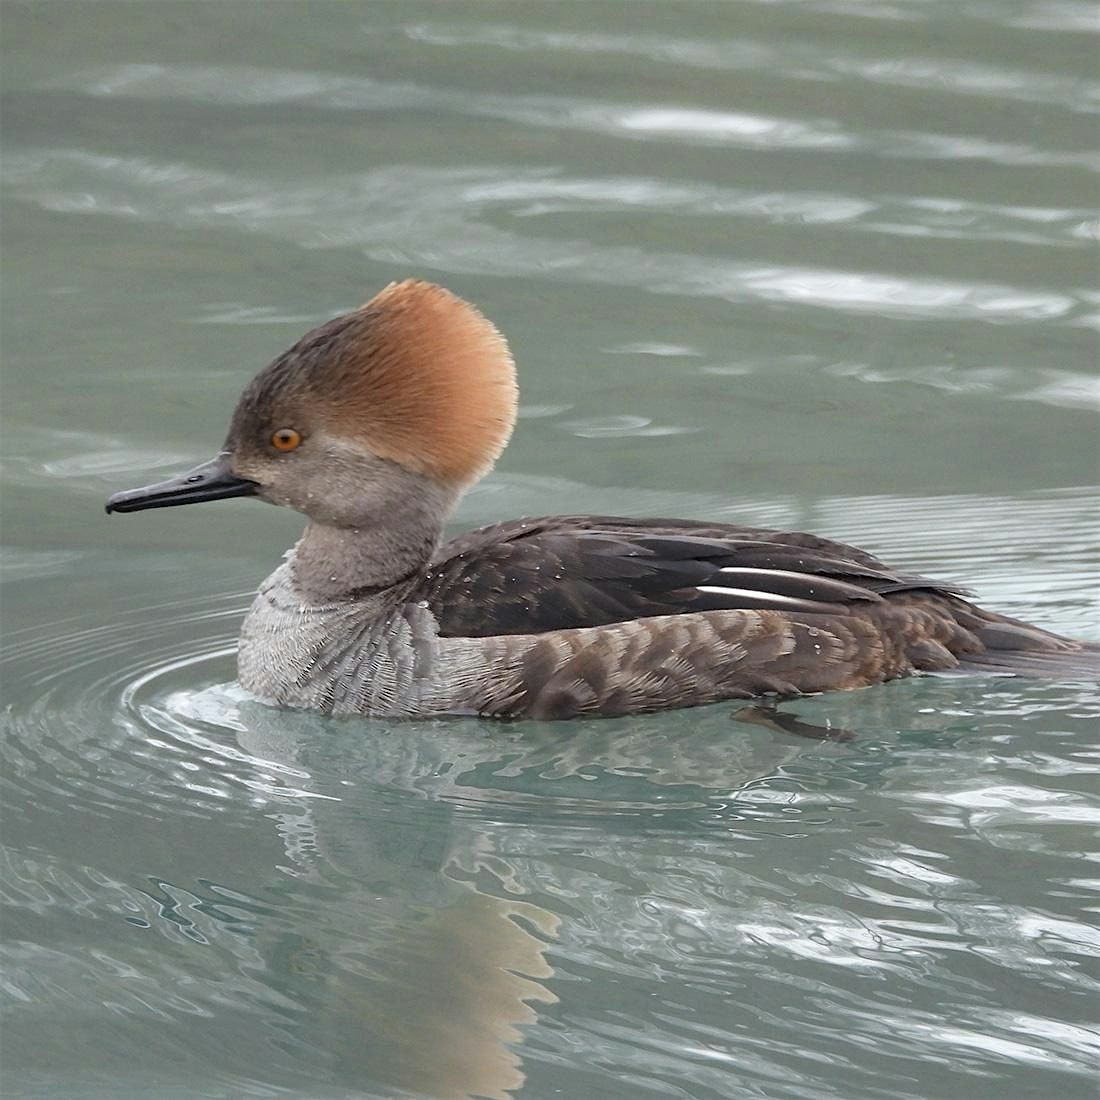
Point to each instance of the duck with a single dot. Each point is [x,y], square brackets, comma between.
[376,422]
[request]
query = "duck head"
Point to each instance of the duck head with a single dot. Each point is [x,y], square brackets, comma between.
[411,396]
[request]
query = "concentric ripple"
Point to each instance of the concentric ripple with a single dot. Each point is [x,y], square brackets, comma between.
[76,738]
[142,716]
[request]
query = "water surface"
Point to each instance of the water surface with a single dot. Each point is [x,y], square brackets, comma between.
[816,265]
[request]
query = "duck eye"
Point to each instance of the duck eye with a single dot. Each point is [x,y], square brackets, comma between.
[285,439]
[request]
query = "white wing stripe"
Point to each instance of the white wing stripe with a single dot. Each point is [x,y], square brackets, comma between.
[754,594]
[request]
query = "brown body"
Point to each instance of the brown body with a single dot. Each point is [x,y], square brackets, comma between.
[615,616]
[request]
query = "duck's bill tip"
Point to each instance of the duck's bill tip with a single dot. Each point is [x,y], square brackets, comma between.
[213,480]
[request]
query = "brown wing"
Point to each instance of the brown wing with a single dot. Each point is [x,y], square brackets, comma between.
[566,572]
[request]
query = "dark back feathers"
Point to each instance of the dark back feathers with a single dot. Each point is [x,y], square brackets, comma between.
[563,572]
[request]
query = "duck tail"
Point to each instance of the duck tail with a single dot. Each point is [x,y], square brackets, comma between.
[1013,648]
[1082,663]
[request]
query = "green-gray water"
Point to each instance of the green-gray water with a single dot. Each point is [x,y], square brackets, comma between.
[826,265]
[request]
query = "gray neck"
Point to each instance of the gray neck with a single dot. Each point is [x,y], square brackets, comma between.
[332,563]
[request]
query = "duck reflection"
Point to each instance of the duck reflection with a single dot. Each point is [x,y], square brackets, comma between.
[433,1008]
[411,942]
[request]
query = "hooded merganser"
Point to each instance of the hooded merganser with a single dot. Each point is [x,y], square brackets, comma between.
[375,423]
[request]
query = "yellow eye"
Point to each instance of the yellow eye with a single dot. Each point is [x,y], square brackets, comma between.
[285,439]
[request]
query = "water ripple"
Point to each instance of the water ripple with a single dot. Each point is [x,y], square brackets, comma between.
[792,59]
[73,673]
[422,216]
[666,122]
